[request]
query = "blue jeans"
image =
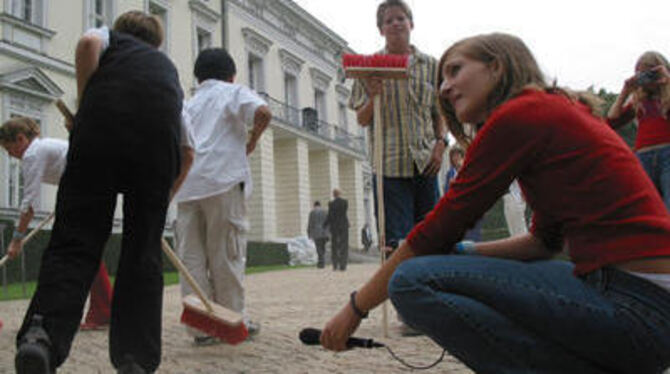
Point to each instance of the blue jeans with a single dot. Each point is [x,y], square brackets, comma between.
[503,316]
[656,163]
[406,203]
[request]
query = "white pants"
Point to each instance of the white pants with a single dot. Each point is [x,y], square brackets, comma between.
[515,210]
[211,241]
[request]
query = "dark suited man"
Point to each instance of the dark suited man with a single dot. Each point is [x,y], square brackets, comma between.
[339,230]
[317,232]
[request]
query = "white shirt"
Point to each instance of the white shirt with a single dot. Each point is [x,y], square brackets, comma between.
[43,162]
[219,113]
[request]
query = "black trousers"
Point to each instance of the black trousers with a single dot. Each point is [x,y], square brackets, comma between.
[340,248]
[320,251]
[98,168]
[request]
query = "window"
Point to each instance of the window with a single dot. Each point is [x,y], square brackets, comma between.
[15,178]
[342,109]
[320,104]
[160,10]
[291,98]
[30,11]
[204,39]
[256,78]
[99,13]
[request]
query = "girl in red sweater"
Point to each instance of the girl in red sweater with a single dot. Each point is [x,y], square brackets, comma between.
[646,97]
[505,306]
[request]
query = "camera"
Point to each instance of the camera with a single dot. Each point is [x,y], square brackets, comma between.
[646,77]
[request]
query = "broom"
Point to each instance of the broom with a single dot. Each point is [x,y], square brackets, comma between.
[204,315]
[382,67]
[32,233]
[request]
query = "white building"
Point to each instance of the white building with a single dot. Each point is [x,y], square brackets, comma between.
[312,146]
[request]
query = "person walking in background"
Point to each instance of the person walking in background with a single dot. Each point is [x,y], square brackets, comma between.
[414,135]
[125,139]
[338,223]
[646,97]
[212,222]
[366,237]
[317,232]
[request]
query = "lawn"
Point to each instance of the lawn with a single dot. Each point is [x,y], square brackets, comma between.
[17,291]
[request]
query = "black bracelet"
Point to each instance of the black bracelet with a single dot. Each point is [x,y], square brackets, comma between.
[352,302]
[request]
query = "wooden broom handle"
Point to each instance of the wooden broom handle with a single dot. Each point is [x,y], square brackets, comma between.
[32,233]
[379,169]
[189,278]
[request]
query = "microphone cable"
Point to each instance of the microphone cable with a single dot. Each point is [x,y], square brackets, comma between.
[413,366]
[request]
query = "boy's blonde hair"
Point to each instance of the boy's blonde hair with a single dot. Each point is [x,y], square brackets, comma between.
[143,26]
[662,93]
[19,125]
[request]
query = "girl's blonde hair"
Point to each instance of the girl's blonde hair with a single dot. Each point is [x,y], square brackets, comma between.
[652,59]
[514,60]
[19,125]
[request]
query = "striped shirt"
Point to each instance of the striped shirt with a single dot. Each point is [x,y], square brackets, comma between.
[408,107]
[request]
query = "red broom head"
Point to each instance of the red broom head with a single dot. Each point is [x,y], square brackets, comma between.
[375,61]
[231,334]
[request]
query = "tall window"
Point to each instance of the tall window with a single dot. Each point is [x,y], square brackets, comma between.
[15,179]
[342,114]
[291,98]
[204,39]
[320,104]
[161,12]
[30,11]
[256,79]
[99,13]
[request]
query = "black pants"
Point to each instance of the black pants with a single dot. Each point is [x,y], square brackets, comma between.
[340,248]
[96,172]
[320,251]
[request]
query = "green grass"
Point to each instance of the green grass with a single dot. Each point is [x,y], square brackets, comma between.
[15,291]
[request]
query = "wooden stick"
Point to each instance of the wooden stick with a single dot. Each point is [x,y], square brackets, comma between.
[189,278]
[381,218]
[67,114]
[32,233]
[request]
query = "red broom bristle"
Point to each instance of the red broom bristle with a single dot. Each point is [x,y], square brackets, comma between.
[212,327]
[375,61]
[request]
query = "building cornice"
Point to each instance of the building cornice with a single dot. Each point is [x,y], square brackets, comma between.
[201,8]
[8,18]
[34,58]
[290,62]
[320,79]
[256,42]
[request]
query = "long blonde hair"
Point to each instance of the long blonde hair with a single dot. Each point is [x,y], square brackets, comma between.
[19,125]
[652,59]
[517,64]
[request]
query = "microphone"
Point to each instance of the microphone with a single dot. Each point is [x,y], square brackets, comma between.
[310,336]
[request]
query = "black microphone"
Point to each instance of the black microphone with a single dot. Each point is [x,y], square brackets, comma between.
[311,336]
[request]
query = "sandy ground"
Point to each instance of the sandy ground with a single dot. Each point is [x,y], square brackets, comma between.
[284,302]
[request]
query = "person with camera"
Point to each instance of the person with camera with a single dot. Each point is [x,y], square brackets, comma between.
[646,97]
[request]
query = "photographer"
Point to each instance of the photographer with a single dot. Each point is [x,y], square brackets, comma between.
[646,97]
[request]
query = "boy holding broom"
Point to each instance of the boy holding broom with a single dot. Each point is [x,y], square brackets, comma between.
[43,161]
[211,212]
[125,139]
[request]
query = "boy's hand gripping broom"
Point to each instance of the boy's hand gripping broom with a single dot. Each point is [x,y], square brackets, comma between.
[32,233]
[204,315]
[380,67]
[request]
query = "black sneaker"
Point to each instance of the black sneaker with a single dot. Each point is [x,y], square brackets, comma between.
[32,355]
[203,341]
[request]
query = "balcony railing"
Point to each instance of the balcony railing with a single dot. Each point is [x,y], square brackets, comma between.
[306,120]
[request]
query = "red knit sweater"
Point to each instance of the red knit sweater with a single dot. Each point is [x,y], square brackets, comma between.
[583,183]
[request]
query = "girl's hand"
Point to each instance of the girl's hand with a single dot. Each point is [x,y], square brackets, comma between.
[339,329]
[373,86]
[663,75]
[629,86]
[15,247]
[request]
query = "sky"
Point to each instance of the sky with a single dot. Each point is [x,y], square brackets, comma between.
[581,43]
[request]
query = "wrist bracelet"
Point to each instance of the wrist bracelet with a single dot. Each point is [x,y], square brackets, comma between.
[465,247]
[18,235]
[352,302]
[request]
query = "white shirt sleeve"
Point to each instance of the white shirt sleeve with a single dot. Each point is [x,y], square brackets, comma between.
[186,132]
[245,104]
[103,34]
[32,170]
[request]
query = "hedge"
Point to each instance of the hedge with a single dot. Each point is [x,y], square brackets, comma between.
[258,254]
